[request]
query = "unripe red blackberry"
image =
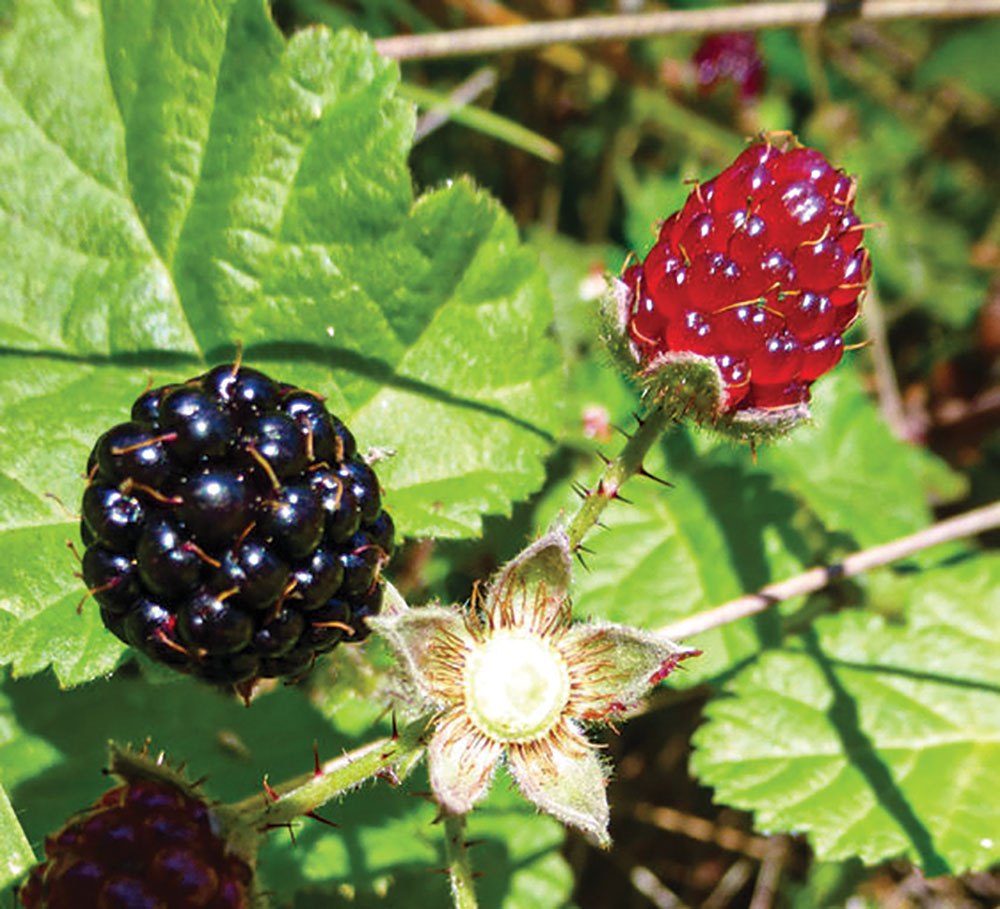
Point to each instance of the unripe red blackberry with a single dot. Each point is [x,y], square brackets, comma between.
[146,843]
[732,56]
[760,274]
[223,517]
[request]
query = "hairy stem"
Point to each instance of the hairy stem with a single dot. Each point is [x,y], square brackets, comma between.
[463,891]
[963,525]
[617,471]
[279,805]
[469,41]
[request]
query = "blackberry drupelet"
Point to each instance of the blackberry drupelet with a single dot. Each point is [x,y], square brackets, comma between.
[232,530]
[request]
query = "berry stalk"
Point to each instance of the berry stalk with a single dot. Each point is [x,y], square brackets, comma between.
[617,471]
[300,797]
[463,891]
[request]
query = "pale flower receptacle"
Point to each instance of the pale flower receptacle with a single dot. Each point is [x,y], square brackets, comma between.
[511,677]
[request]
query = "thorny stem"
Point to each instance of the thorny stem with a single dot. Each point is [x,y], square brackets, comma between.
[463,891]
[746,16]
[617,471]
[963,525]
[301,795]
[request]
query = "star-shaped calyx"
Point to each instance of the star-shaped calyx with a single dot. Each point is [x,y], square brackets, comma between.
[511,676]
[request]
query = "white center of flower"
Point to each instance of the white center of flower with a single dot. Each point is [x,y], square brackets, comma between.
[516,686]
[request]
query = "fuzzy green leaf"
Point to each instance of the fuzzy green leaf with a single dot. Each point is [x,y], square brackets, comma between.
[14,845]
[850,470]
[875,739]
[168,191]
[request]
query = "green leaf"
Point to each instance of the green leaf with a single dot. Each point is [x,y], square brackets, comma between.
[14,845]
[968,57]
[851,471]
[875,740]
[187,188]
[169,191]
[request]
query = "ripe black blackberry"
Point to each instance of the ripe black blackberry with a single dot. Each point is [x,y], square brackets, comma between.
[232,530]
[151,841]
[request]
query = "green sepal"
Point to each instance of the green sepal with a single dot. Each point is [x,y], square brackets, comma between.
[546,564]
[573,789]
[411,634]
[640,658]
[242,840]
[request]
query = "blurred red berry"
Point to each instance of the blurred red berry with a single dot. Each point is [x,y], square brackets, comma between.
[730,56]
[143,844]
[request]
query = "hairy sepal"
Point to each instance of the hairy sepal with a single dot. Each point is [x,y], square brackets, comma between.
[546,564]
[129,765]
[641,659]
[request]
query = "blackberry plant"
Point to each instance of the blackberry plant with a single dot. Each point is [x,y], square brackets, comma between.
[188,179]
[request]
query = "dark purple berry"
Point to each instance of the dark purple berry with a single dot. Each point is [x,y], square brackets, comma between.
[86,534]
[152,628]
[280,634]
[114,621]
[315,424]
[294,664]
[256,573]
[129,451]
[215,506]
[146,843]
[368,605]
[382,532]
[169,565]
[279,440]
[246,391]
[318,579]
[361,562]
[146,409]
[229,668]
[203,430]
[340,508]
[328,625]
[217,526]
[293,519]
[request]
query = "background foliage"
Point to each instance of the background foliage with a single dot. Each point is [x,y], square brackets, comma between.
[177,177]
